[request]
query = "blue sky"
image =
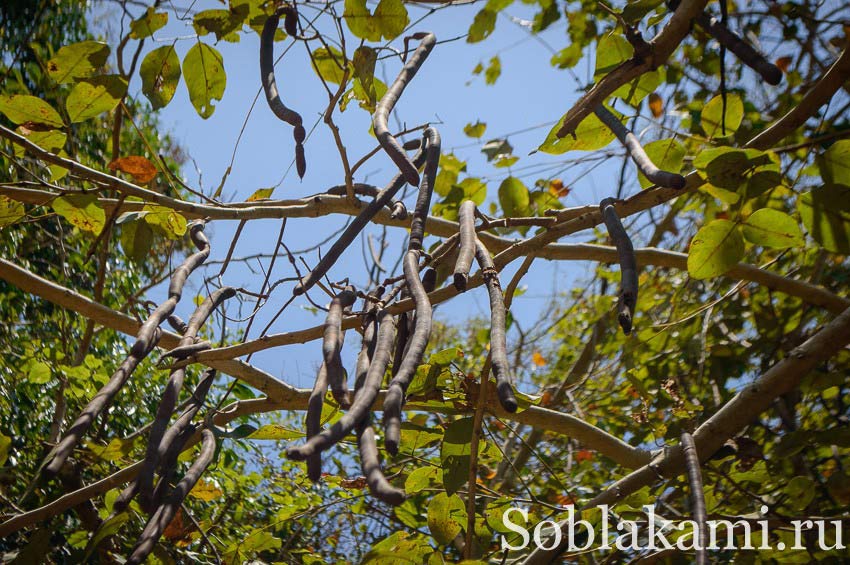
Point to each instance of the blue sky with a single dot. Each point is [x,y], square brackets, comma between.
[530,95]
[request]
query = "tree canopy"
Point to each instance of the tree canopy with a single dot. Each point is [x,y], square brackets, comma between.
[692,181]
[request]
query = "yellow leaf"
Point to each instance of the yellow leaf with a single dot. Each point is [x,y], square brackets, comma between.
[206,491]
[538,359]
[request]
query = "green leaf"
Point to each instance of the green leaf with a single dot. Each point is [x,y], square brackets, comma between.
[25,109]
[514,197]
[160,72]
[203,68]
[473,189]
[172,224]
[136,240]
[360,20]
[10,211]
[420,479]
[445,356]
[223,23]
[52,140]
[772,228]
[493,71]
[667,154]
[545,17]
[475,130]
[261,194]
[78,60]
[637,9]
[146,25]
[801,491]
[834,164]
[93,96]
[611,51]
[482,26]
[275,431]
[712,114]
[568,57]
[826,214]
[329,64]
[39,373]
[454,454]
[391,18]
[715,248]
[106,529]
[5,447]
[82,211]
[446,517]
[590,135]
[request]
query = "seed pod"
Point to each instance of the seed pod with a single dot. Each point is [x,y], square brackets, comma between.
[628,265]
[385,107]
[466,219]
[332,345]
[498,339]
[636,152]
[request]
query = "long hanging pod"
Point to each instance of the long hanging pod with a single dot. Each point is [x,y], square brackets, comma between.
[369,460]
[267,77]
[636,152]
[156,450]
[743,50]
[628,265]
[385,106]
[498,339]
[332,345]
[365,398]
[466,221]
[146,340]
[418,341]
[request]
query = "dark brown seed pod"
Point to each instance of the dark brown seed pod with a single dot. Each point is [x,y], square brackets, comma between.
[365,397]
[418,341]
[166,511]
[385,106]
[466,220]
[332,345]
[628,265]
[498,338]
[636,152]
[370,462]
[313,421]
[290,20]
[300,161]
[146,340]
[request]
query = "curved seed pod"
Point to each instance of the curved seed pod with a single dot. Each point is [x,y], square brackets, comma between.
[313,421]
[636,152]
[290,21]
[165,513]
[744,51]
[353,230]
[628,265]
[367,349]
[402,337]
[267,77]
[332,345]
[466,219]
[146,340]
[498,340]
[170,395]
[379,486]
[418,341]
[385,106]
[185,351]
[364,399]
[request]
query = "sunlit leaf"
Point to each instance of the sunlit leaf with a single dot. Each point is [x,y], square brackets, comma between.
[203,69]
[140,168]
[446,517]
[78,60]
[514,197]
[591,134]
[148,23]
[172,224]
[10,211]
[482,26]
[715,249]
[475,130]
[25,109]
[712,121]
[825,212]
[160,72]
[772,228]
[82,211]
[91,97]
